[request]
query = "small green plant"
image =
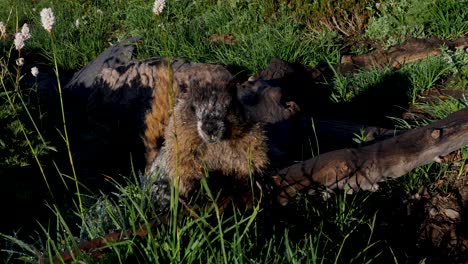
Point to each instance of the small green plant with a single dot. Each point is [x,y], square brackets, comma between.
[347,87]
[458,60]
[342,88]
[348,18]
[425,74]
[396,21]
[441,108]
[360,137]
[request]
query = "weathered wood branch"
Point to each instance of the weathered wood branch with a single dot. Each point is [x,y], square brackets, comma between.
[363,168]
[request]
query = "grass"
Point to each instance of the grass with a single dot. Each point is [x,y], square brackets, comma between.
[395,22]
[233,239]
[343,229]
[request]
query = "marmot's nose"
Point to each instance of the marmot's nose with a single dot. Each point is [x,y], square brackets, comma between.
[210,127]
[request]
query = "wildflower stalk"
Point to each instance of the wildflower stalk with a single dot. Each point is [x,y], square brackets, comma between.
[175,189]
[174,204]
[48,21]
[18,71]
[158,7]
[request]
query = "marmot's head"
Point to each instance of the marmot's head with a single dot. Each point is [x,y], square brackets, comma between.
[210,94]
[213,106]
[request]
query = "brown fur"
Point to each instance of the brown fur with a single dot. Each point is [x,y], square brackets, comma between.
[241,151]
[157,118]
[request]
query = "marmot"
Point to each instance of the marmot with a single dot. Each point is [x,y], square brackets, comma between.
[182,76]
[218,126]
[209,130]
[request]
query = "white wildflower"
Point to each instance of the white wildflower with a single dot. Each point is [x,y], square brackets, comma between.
[47,19]
[158,6]
[25,32]
[34,71]
[20,62]
[77,23]
[2,30]
[100,12]
[19,41]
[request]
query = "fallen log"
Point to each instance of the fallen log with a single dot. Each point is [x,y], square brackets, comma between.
[411,51]
[363,168]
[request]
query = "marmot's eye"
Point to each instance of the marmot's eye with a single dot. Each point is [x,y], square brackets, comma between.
[192,108]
